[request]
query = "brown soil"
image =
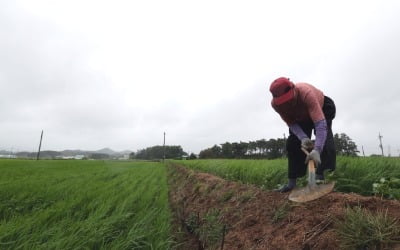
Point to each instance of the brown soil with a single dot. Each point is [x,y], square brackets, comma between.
[258,219]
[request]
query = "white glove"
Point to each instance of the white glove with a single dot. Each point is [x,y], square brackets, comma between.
[314,155]
[307,144]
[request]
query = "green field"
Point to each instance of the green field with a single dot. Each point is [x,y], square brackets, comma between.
[363,175]
[77,204]
[69,204]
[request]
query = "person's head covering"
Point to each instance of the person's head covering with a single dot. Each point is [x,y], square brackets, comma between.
[282,90]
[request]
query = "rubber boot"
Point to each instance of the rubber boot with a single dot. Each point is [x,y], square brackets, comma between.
[319,178]
[288,187]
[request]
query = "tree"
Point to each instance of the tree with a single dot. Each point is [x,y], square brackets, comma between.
[157,152]
[216,150]
[192,156]
[271,149]
[239,149]
[206,154]
[262,147]
[226,150]
[275,148]
[345,145]
[252,148]
[210,153]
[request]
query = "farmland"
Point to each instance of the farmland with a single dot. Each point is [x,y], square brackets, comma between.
[352,174]
[83,205]
[341,219]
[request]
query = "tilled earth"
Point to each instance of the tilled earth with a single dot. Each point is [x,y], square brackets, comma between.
[212,213]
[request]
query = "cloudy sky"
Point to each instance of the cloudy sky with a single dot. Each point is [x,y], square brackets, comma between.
[95,74]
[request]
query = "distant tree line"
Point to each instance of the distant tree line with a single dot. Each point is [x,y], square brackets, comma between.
[269,149]
[259,149]
[157,152]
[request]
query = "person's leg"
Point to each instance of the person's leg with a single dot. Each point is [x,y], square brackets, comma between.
[328,154]
[296,157]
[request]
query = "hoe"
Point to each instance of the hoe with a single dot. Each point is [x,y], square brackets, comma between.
[312,191]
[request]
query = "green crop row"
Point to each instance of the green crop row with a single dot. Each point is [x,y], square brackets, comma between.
[264,173]
[83,205]
[364,175]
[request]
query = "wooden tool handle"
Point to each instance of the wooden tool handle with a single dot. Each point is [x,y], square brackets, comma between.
[311,164]
[305,151]
[311,169]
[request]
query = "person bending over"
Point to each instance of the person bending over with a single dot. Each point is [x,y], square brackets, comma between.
[305,108]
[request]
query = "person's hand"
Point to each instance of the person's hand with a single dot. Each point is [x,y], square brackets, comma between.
[307,144]
[314,155]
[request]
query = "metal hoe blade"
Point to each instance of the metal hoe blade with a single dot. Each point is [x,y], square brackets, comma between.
[312,191]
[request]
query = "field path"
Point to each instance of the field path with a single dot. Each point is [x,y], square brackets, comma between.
[257,219]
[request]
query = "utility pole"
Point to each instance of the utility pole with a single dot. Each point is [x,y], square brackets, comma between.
[362,147]
[380,142]
[40,145]
[164,148]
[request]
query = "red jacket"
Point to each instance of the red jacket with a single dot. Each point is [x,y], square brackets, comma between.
[307,107]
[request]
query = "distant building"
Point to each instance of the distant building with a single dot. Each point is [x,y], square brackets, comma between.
[67,157]
[8,156]
[124,157]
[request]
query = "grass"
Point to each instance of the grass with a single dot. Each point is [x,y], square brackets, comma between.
[264,173]
[361,229]
[210,229]
[359,174]
[248,195]
[227,196]
[83,205]
[207,228]
[281,212]
[353,174]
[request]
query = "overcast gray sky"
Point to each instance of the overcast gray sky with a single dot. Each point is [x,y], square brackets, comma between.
[95,74]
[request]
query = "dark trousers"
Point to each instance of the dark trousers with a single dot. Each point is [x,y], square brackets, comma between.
[296,157]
